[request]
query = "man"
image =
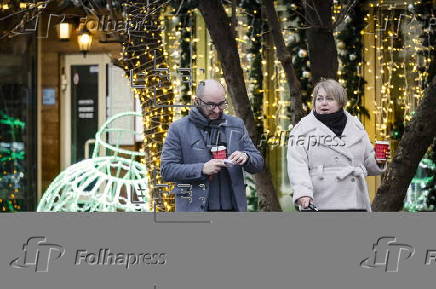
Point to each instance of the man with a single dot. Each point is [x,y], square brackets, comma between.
[217,184]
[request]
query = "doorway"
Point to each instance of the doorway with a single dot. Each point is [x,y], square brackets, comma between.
[83,108]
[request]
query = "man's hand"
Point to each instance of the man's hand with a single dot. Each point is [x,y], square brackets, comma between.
[239,158]
[213,166]
[304,202]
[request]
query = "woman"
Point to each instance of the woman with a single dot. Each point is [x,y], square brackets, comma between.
[329,154]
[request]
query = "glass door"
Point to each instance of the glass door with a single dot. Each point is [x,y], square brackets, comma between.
[84,108]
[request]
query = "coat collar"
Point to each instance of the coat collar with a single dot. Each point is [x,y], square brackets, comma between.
[198,137]
[353,133]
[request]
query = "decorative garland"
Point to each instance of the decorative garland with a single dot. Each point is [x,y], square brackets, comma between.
[187,49]
[297,45]
[349,46]
[254,16]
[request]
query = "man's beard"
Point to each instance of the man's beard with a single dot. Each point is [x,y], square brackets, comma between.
[206,114]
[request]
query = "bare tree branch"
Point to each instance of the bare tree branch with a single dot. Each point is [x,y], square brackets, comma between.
[307,7]
[302,16]
[180,7]
[343,14]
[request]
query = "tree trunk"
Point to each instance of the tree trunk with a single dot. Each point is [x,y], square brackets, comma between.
[220,31]
[264,187]
[321,43]
[286,60]
[418,136]
[153,84]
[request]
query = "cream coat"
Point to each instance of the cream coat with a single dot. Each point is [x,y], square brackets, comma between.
[328,169]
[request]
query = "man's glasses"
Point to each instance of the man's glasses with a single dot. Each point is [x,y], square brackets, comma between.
[211,105]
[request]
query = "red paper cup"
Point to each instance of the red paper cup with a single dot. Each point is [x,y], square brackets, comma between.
[381,149]
[219,152]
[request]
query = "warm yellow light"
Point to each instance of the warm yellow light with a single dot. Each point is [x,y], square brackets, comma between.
[84,40]
[64,31]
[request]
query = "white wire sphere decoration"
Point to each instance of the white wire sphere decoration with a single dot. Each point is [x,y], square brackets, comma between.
[101,183]
[88,186]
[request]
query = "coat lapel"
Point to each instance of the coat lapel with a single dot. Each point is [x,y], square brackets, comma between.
[353,132]
[349,134]
[233,136]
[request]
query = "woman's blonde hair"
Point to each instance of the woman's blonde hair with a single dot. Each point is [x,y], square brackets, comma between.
[332,88]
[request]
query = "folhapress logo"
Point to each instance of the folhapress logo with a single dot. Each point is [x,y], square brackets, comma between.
[38,254]
[388,254]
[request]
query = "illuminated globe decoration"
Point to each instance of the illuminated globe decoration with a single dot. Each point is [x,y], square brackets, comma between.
[102,183]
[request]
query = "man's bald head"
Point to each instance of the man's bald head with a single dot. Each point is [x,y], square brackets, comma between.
[210,88]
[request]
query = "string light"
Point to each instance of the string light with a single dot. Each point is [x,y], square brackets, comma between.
[403,67]
[151,69]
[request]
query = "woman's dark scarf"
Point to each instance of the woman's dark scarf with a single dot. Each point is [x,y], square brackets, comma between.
[211,126]
[335,121]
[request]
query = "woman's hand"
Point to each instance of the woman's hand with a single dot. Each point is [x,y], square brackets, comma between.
[304,202]
[388,155]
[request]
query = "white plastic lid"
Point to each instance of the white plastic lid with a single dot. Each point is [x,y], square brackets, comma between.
[218,148]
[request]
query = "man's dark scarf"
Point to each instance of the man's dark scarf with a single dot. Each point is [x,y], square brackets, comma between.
[211,126]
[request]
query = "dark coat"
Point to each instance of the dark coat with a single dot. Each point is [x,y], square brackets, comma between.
[184,154]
